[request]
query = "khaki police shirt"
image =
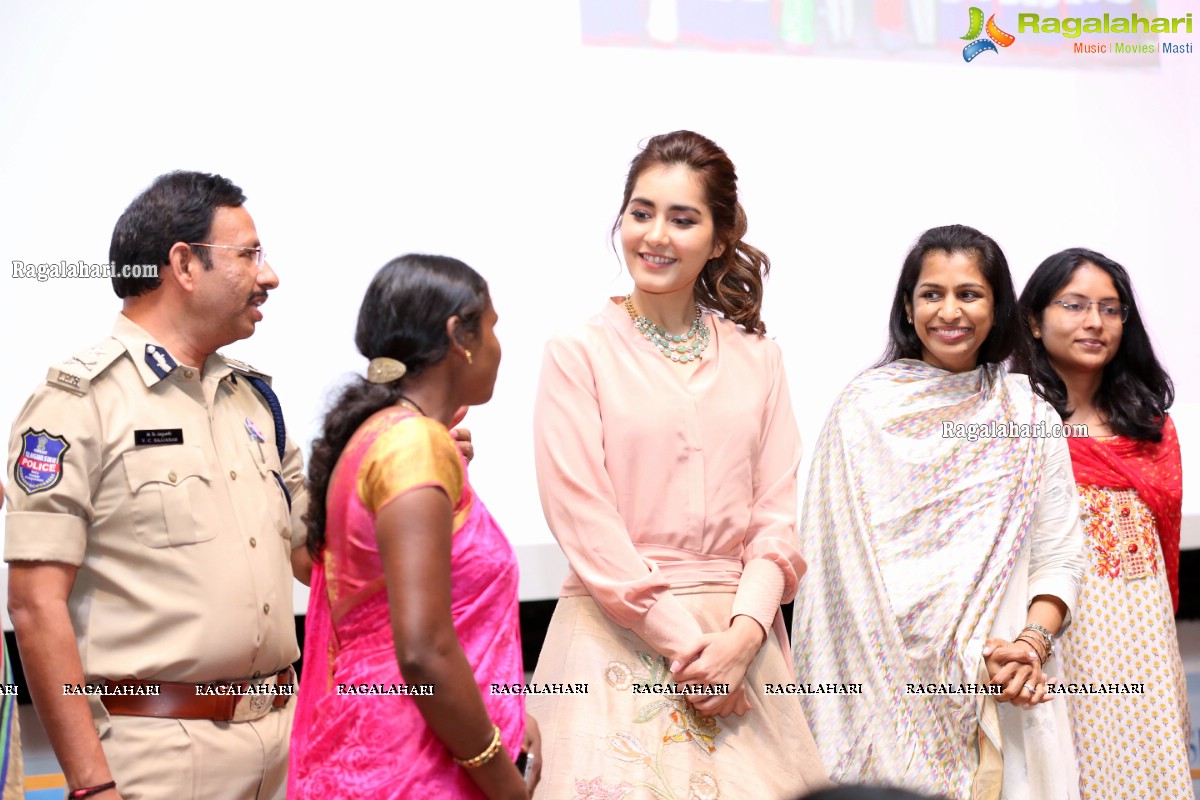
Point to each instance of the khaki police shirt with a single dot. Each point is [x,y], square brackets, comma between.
[160,485]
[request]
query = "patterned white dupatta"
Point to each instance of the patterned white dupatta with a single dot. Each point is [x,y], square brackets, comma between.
[911,537]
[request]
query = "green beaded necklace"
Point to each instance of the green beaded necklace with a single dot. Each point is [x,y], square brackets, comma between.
[679,347]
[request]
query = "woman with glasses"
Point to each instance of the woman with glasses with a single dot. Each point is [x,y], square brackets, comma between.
[1093,361]
[666,456]
[944,548]
[413,604]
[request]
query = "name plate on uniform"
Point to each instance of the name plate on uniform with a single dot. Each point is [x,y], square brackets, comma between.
[160,436]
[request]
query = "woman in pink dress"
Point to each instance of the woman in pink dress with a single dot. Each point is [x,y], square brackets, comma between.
[666,454]
[403,710]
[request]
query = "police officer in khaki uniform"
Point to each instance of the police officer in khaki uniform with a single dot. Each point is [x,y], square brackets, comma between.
[154,523]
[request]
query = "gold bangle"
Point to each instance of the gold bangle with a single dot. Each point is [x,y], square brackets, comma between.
[484,757]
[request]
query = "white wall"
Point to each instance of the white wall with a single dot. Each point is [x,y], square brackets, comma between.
[488,131]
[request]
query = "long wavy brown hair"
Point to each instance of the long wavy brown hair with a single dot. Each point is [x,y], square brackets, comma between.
[732,283]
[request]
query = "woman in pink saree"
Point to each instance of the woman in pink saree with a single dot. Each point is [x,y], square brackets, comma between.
[396,533]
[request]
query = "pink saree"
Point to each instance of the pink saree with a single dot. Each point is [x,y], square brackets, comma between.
[351,737]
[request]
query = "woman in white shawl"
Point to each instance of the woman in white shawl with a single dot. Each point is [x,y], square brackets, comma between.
[944,549]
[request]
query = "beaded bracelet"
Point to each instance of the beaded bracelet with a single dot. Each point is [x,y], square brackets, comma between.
[88,791]
[1047,637]
[484,757]
[1043,632]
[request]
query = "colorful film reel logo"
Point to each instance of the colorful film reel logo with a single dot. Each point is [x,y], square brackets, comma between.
[995,36]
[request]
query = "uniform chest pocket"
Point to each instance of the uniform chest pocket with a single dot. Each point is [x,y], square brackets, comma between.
[170,488]
[276,503]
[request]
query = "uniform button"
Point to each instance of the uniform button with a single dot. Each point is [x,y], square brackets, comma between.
[266,608]
[171,477]
[233,475]
[187,373]
[253,542]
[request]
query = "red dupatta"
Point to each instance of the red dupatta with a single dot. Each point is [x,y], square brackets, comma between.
[1154,471]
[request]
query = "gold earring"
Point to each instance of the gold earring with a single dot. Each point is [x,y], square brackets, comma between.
[469,359]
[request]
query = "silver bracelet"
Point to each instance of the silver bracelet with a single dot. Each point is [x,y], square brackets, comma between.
[1046,635]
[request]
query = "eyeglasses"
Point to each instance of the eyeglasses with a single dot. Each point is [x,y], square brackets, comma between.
[1078,306]
[259,257]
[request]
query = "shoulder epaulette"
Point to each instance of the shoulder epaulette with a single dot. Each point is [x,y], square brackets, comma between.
[246,369]
[77,372]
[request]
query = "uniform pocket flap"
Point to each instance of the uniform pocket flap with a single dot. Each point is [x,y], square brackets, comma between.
[166,465]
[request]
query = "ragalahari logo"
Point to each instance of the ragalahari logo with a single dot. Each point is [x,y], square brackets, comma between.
[995,36]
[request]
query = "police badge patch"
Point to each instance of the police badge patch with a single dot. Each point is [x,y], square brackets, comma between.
[40,465]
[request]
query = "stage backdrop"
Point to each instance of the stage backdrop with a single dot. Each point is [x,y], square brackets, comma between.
[500,133]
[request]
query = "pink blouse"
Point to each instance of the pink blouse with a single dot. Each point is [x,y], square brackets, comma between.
[652,480]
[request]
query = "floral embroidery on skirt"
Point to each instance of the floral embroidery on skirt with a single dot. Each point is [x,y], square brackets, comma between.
[683,724]
[634,737]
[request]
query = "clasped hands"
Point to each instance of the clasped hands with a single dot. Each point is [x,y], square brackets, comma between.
[1016,667]
[720,658]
